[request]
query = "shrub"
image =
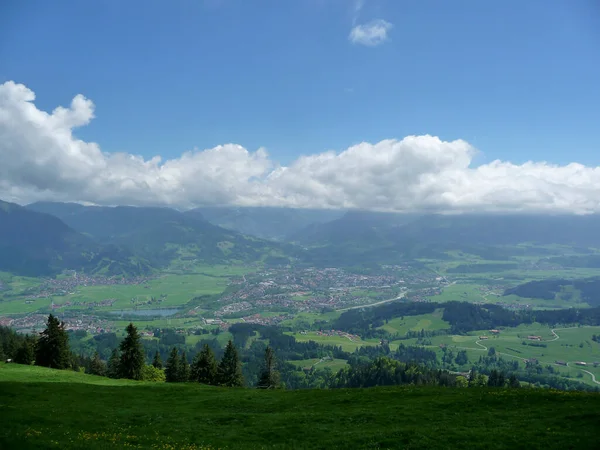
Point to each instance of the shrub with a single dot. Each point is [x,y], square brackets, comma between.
[151,373]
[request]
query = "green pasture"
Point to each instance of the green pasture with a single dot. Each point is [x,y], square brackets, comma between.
[572,345]
[25,374]
[83,412]
[333,364]
[18,305]
[306,319]
[479,292]
[179,290]
[346,344]
[428,322]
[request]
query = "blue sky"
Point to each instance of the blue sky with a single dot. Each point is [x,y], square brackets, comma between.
[455,106]
[517,79]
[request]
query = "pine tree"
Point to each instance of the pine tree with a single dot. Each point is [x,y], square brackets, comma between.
[269,378]
[26,353]
[112,369]
[184,368]
[230,369]
[53,346]
[513,381]
[172,367]
[157,361]
[97,366]
[501,380]
[132,358]
[204,367]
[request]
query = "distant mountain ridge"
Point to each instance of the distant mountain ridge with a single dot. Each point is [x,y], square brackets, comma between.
[34,243]
[384,238]
[161,235]
[264,222]
[154,237]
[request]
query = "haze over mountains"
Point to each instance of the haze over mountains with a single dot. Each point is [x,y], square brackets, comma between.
[43,238]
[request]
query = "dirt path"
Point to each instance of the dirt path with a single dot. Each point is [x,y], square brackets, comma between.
[592,375]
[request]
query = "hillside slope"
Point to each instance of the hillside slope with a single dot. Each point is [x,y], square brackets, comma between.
[263,222]
[161,235]
[37,414]
[387,238]
[34,244]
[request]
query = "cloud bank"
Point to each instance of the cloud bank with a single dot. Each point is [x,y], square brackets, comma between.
[371,33]
[41,159]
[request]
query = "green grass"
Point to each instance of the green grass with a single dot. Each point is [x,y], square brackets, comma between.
[18,372]
[474,290]
[346,344]
[305,319]
[75,415]
[428,322]
[333,364]
[178,288]
[12,305]
[573,344]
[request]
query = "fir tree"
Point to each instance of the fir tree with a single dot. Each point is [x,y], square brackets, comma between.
[112,369]
[157,361]
[204,368]
[513,381]
[26,352]
[269,378]
[172,367]
[132,358]
[97,366]
[53,346]
[230,368]
[184,368]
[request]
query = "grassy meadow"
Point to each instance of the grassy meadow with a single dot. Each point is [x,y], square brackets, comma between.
[176,291]
[572,345]
[92,414]
[427,322]
[346,344]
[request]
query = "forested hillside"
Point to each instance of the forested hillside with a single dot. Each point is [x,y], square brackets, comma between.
[34,244]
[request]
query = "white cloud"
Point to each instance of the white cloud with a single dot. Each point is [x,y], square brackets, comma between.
[356,9]
[371,33]
[41,159]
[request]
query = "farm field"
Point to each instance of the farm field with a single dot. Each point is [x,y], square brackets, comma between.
[305,319]
[178,289]
[193,417]
[427,322]
[478,291]
[169,289]
[570,345]
[346,344]
[333,364]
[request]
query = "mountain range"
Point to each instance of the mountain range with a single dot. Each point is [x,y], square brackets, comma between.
[34,243]
[46,237]
[264,222]
[161,235]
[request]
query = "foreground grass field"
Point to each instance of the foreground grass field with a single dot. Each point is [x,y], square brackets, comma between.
[36,415]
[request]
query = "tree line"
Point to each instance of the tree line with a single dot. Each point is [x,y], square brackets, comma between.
[51,349]
[256,364]
[462,317]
